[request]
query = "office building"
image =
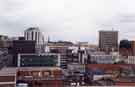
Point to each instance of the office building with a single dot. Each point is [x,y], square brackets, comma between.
[62,48]
[21,46]
[127,48]
[108,40]
[35,34]
[130,60]
[63,51]
[36,60]
[102,59]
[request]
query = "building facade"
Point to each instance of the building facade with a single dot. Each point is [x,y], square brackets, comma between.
[8,77]
[35,34]
[102,59]
[40,76]
[62,48]
[31,77]
[108,40]
[130,60]
[36,60]
[21,46]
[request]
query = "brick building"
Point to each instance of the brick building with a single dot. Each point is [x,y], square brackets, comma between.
[41,76]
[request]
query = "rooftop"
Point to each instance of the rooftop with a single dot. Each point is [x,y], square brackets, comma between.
[32,28]
[11,71]
[8,71]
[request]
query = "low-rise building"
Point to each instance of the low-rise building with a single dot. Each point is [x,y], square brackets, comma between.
[6,59]
[40,76]
[102,59]
[76,74]
[130,60]
[64,51]
[38,60]
[31,77]
[8,77]
[110,74]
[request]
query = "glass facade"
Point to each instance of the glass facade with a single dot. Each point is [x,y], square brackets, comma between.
[35,60]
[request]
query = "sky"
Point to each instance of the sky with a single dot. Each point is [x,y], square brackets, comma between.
[71,20]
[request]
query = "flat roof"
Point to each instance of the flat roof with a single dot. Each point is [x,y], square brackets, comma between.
[109,66]
[11,71]
[8,71]
[108,31]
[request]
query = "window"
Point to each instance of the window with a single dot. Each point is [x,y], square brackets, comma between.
[47,73]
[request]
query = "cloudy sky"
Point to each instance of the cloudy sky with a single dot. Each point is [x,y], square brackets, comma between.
[75,20]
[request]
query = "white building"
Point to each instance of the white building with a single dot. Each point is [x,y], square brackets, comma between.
[102,59]
[35,34]
[75,67]
[131,60]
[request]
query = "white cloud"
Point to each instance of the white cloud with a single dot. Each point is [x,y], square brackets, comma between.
[68,19]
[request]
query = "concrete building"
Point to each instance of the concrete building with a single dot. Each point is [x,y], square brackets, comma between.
[99,57]
[35,34]
[3,37]
[6,59]
[4,41]
[108,40]
[22,46]
[63,55]
[75,74]
[8,77]
[127,48]
[130,60]
[75,67]
[102,59]
[62,48]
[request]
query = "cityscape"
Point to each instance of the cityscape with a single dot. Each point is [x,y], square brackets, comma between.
[30,61]
[67,43]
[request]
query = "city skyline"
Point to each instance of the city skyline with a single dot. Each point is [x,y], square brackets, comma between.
[73,20]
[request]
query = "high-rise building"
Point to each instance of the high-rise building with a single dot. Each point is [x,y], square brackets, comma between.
[35,34]
[108,40]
